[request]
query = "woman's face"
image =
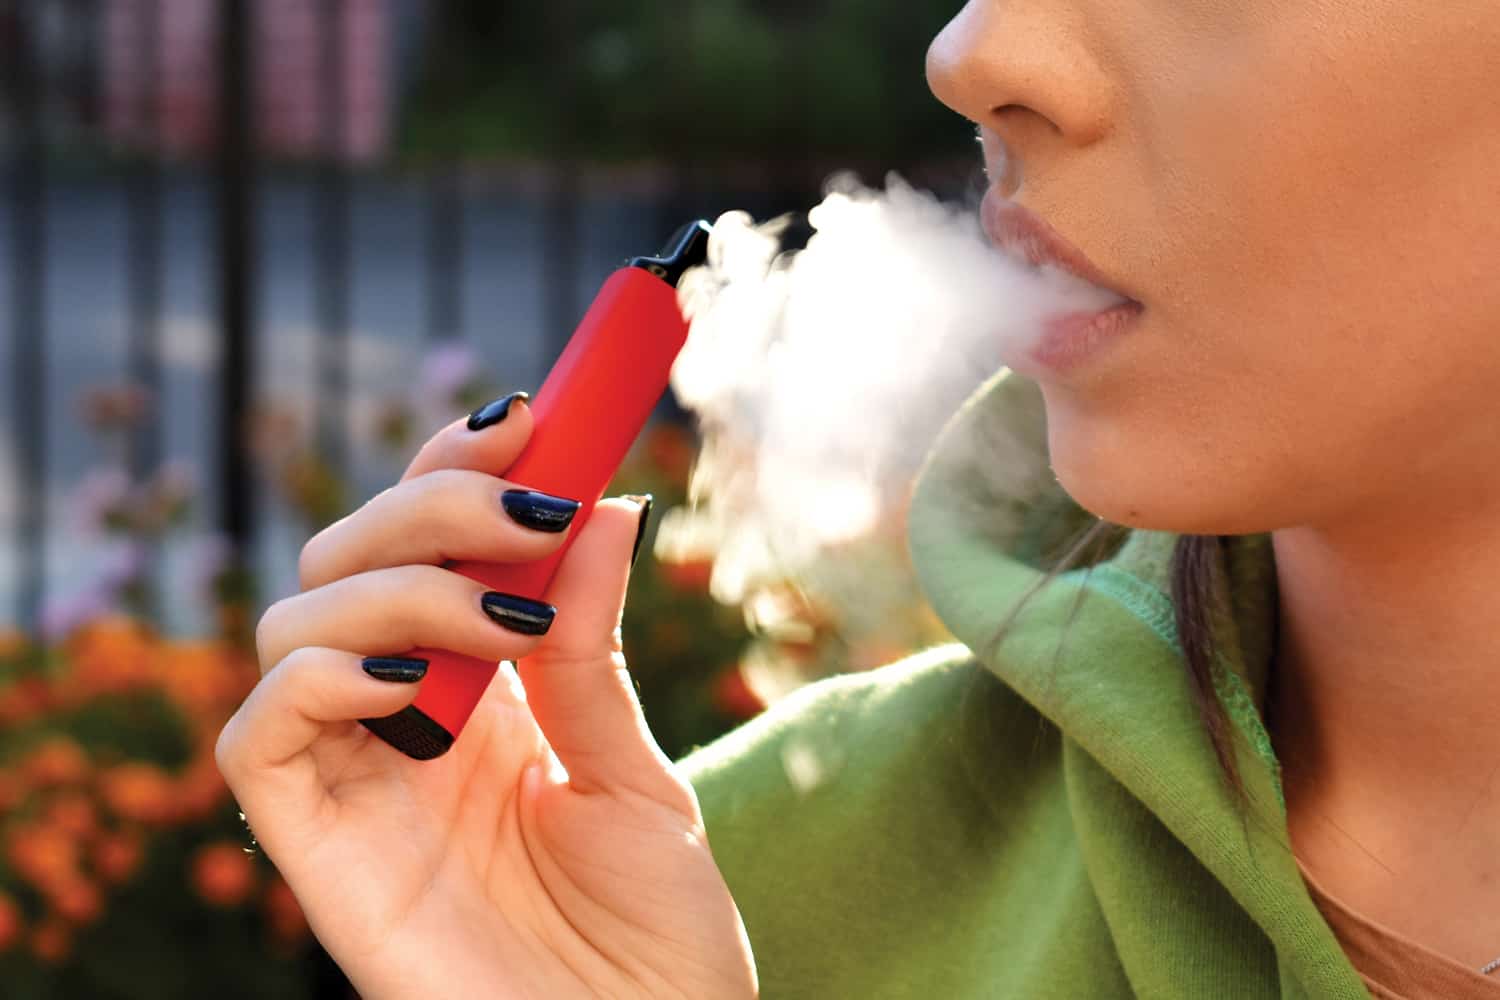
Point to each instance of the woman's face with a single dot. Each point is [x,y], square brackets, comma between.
[1305,196]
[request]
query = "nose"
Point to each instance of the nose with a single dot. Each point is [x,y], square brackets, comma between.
[1022,68]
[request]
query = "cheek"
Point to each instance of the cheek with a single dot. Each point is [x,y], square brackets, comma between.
[1324,316]
[1299,427]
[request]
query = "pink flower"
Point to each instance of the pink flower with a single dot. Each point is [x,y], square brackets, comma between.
[123,565]
[101,501]
[209,556]
[61,616]
[446,371]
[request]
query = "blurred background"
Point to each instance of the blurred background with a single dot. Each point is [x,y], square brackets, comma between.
[252,252]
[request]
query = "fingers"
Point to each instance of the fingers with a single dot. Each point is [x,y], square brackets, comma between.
[310,688]
[263,748]
[488,440]
[389,611]
[440,515]
[577,684]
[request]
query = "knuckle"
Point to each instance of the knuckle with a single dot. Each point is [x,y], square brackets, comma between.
[436,501]
[444,506]
[419,597]
[309,559]
[318,552]
[269,627]
[295,671]
[296,663]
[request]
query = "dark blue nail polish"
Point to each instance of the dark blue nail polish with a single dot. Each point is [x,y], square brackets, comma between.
[519,614]
[398,669]
[491,414]
[539,511]
[644,500]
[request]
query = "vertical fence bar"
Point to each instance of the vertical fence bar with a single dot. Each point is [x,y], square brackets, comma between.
[445,250]
[236,191]
[560,283]
[144,257]
[332,238]
[561,210]
[28,316]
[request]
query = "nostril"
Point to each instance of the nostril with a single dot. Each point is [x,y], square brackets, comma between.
[1001,168]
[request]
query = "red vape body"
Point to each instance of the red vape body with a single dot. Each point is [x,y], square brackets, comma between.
[589,410]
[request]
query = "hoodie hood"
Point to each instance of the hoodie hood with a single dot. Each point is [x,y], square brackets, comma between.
[1096,651]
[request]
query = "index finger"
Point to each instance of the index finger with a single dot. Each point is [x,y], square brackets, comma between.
[488,440]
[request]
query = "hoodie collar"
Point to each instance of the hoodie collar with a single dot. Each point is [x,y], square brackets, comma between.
[1096,651]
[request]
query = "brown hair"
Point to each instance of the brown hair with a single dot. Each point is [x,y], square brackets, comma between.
[1196,584]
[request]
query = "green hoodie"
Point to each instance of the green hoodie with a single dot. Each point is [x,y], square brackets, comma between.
[1038,817]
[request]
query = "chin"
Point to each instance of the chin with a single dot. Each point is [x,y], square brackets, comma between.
[1148,482]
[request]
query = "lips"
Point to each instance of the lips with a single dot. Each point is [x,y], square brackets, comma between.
[1019,231]
[1065,341]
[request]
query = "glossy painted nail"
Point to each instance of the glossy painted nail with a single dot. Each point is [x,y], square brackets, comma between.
[519,614]
[491,414]
[644,499]
[539,511]
[398,669]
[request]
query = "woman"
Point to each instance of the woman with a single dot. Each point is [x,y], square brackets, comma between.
[1250,753]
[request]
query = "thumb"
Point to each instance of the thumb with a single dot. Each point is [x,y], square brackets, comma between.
[576,681]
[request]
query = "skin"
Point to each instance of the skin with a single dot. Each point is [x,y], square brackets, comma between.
[554,851]
[1302,195]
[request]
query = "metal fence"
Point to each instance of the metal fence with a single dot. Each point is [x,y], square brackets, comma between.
[184,218]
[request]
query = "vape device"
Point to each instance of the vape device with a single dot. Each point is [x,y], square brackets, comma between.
[588,411]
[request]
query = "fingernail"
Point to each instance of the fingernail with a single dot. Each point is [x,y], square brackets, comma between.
[492,413]
[539,511]
[519,614]
[644,499]
[400,669]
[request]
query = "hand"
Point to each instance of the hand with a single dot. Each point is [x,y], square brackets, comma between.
[554,851]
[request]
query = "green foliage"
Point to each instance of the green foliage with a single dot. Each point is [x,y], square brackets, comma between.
[164,944]
[704,80]
[141,725]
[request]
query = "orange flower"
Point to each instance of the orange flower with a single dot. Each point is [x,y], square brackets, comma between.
[283,912]
[73,813]
[140,792]
[223,874]
[113,653]
[77,900]
[200,675]
[25,699]
[44,856]
[11,925]
[16,704]
[52,940]
[116,856]
[57,761]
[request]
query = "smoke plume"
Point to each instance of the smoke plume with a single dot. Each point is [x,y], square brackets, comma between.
[821,376]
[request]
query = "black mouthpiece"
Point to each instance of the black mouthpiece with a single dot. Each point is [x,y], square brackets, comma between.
[687,248]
